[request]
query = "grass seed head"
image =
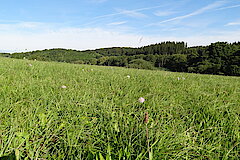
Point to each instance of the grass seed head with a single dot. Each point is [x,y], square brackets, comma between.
[146,117]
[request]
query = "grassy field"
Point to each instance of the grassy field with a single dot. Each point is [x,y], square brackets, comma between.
[65,111]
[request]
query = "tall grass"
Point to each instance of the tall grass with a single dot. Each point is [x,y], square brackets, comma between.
[98,116]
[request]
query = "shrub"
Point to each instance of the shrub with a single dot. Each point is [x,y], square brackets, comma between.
[140,64]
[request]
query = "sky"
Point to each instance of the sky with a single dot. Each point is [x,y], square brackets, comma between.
[27,25]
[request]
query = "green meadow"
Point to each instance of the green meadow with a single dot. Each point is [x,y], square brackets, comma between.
[51,110]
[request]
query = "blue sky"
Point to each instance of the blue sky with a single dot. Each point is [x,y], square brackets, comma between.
[89,24]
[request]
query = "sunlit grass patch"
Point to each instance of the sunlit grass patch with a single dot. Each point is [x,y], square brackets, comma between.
[99,113]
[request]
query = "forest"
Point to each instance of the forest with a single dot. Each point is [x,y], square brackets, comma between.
[219,58]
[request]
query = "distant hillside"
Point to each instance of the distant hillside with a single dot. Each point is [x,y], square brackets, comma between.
[217,58]
[60,55]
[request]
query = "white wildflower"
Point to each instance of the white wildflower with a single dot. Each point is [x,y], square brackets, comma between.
[141,100]
[63,86]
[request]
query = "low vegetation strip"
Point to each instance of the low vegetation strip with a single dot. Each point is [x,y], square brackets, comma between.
[52,110]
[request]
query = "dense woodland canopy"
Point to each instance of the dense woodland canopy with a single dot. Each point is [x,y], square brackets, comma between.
[218,58]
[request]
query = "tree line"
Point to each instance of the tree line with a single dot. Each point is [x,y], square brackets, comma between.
[217,58]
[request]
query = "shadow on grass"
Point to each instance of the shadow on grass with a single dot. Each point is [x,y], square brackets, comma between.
[11,156]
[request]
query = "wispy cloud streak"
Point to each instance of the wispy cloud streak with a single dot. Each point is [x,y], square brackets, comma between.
[121,12]
[229,7]
[131,13]
[197,12]
[164,13]
[117,23]
[233,24]
[135,12]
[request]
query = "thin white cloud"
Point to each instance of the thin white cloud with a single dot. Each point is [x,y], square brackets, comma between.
[122,11]
[233,23]
[25,27]
[117,23]
[164,13]
[30,25]
[132,13]
[197,12]
[229,7]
